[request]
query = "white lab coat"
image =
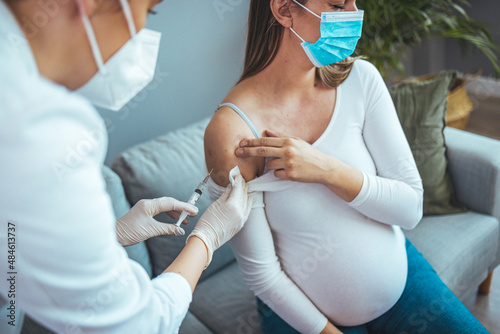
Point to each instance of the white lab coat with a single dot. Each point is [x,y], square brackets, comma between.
[71,275]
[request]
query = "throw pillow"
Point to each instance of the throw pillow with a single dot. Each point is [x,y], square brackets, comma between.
[421,108]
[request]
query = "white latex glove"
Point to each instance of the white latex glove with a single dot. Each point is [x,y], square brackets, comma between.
[138,224]
[225,217]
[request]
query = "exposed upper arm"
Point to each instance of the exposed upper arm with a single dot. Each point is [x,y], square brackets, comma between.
[222,137]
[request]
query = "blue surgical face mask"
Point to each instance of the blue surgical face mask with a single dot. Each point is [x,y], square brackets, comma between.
[340,32]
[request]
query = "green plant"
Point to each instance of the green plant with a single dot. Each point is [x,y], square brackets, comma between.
[391,27]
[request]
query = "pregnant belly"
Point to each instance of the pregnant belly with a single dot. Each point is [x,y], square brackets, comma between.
[351,267]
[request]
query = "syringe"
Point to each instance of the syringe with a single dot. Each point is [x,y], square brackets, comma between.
[194,198]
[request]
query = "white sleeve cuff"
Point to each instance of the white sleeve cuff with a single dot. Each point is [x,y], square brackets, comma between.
[320,327]
[363,193]
[176,296]
[182,287]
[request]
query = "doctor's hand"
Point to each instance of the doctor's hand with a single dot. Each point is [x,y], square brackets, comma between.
[138,224]
[224,218]
[295,159]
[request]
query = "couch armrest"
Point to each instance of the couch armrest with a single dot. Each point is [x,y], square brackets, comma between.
[474,167]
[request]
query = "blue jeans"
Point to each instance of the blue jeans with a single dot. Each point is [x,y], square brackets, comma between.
[426,306]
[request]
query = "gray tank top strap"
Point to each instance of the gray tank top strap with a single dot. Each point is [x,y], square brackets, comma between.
[242,115]
[249,123]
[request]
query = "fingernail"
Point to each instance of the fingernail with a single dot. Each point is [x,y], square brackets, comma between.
[271,132]
[244,143]
[239,152]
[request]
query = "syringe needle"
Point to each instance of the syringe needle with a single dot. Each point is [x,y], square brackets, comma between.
[206,179]
[194,198]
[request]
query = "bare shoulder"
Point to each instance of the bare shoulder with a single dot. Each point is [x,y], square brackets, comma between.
[222,137]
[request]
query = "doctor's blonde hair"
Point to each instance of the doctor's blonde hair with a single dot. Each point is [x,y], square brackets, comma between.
[264,40]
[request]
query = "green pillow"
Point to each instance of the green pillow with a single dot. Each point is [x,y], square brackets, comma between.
[421,108]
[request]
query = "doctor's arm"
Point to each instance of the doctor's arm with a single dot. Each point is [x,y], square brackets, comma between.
[75,275]
[253,246]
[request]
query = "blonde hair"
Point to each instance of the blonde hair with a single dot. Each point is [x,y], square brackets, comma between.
[264,40]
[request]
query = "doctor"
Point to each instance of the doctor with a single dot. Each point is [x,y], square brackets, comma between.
[67,270]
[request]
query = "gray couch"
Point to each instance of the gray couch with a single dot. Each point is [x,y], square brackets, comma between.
[463,248]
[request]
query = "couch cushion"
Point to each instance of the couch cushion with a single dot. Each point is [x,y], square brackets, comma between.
[170,165]
[191,325]
[421,108]
[114,187]
[459,247]
[224,303]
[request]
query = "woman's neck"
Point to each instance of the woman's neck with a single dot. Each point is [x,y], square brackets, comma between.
[290,76]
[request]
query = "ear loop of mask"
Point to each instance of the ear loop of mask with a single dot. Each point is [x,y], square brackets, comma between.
[297,35]
[310,11]
[91,35]
[129,18]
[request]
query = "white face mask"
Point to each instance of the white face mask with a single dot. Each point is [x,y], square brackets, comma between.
[127,72]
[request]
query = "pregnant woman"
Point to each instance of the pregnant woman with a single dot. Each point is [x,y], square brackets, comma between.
[333,178]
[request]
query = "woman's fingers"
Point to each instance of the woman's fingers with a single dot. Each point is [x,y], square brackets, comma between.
[261,151]
[264,141]
[274,146]
[282,174]
[276,164]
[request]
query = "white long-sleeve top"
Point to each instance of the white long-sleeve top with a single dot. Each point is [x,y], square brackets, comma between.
[310,255]
[71,275]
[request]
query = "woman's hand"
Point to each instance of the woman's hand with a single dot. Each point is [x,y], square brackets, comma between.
[295,159]
[330,329]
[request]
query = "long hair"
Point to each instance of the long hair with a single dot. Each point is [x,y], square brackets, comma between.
[264,40]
